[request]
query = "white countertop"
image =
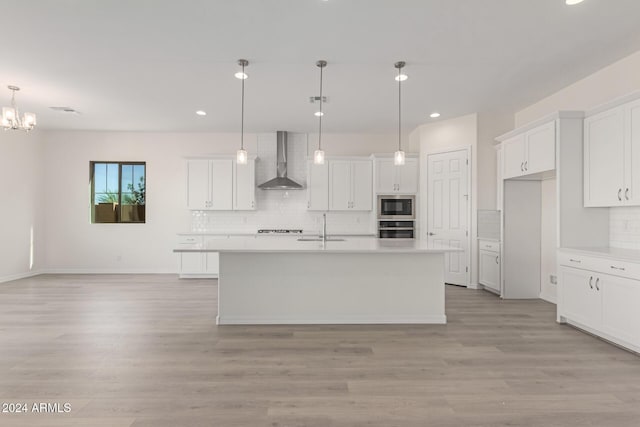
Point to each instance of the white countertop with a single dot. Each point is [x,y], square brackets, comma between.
[350,245]
[256,234]
[632,255]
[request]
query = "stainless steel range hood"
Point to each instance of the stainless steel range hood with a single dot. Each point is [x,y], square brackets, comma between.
[281,182]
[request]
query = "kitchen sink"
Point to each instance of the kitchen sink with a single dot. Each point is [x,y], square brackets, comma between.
[318,239]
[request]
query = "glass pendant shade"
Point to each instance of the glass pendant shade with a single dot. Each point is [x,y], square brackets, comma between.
[241,157]
[8,115]
[398,158]
[29,119]
[318,157]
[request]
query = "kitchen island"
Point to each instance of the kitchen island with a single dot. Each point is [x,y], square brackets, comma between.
[352,281]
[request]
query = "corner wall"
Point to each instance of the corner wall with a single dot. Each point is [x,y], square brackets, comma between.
[22,207]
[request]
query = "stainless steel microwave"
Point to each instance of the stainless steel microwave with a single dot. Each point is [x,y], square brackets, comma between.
[396,207]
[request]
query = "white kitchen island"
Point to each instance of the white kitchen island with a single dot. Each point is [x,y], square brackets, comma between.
[355,281]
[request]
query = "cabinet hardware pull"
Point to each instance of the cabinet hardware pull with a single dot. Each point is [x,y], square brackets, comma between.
[620,195]
[617,268]
[522,167]
[575,260]
[526,165]
[591,282]
[497,259]
[626,194]
[597,281]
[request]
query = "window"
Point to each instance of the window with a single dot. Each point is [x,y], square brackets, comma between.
[118,192]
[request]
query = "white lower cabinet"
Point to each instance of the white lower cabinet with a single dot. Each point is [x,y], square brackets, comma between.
[489,263]
[198,264]
[594,296]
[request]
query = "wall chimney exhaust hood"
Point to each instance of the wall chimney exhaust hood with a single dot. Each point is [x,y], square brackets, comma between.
[281,182]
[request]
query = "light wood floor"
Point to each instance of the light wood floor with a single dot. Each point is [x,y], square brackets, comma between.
[145,351]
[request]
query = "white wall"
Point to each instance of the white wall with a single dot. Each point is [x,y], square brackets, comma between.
[490,125]
[613,81]
[72,244]
[22,206]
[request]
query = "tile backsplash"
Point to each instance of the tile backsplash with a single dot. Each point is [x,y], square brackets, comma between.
[280,209]
[624,227]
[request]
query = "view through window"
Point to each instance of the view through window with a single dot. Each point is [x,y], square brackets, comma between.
[118,192]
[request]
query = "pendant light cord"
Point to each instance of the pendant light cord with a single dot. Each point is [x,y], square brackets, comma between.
[320,121]
[399,108]
[242,112]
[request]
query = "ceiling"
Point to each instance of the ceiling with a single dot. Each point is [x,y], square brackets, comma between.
[148,65]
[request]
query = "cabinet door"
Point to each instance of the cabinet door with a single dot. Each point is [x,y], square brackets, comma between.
[244,191]
[580,301]
[191,263]
[541,149]
[318,187]
[408,176]
[620,314]
[362,185]
[489,274]
[386,179]
[221,184]
[198,194]
[604,158]
[340,185]
[632,154]
[212,262]
[513,157]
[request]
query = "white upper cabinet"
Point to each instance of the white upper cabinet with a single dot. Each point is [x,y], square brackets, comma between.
[541,149]
[612,157]
[220,184]
[514,153]
[350,185]
[221,172]
[198,185]
[392,179]
[317,186]
[244,190]
[531,152]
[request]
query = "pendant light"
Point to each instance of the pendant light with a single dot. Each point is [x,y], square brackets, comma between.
[11,118]
[398,157]
[318,155]
[241,155]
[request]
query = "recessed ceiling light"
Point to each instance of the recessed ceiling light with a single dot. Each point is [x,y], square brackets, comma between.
[240,75]
[318,113]
[401,77]
[201,113]
[434,115]
[572,2]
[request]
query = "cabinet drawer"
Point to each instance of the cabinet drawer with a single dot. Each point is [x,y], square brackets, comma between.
[488,245]
[190,239]
[610,266]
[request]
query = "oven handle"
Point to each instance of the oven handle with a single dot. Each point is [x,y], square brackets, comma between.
[396,228]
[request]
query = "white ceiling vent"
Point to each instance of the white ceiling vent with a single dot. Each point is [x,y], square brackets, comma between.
[67,110]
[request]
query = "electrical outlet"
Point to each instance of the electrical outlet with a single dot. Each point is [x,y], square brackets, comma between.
[553,279]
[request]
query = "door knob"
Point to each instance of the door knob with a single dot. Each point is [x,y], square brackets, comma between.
[431,234]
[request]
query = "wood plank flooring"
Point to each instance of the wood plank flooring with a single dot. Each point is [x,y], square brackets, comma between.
[144,350]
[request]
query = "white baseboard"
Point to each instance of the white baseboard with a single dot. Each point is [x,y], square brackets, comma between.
[106,271]
[474,286]
[335,320]
[548,298]
[18,276]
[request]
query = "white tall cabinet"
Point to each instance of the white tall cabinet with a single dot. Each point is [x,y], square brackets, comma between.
[612,156]
[542,203]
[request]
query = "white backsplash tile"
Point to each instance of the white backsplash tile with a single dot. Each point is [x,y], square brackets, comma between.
[279,209]
[624,227]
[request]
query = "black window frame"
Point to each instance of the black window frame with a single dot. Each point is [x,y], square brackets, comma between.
[118,210]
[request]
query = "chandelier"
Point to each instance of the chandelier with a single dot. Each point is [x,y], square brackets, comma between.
[11,118]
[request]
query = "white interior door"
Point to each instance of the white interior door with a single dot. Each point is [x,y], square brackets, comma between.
[448,210]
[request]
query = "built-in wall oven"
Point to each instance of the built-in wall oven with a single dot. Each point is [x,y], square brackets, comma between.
[396,217]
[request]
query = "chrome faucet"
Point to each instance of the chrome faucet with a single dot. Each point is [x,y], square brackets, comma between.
[324,227]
